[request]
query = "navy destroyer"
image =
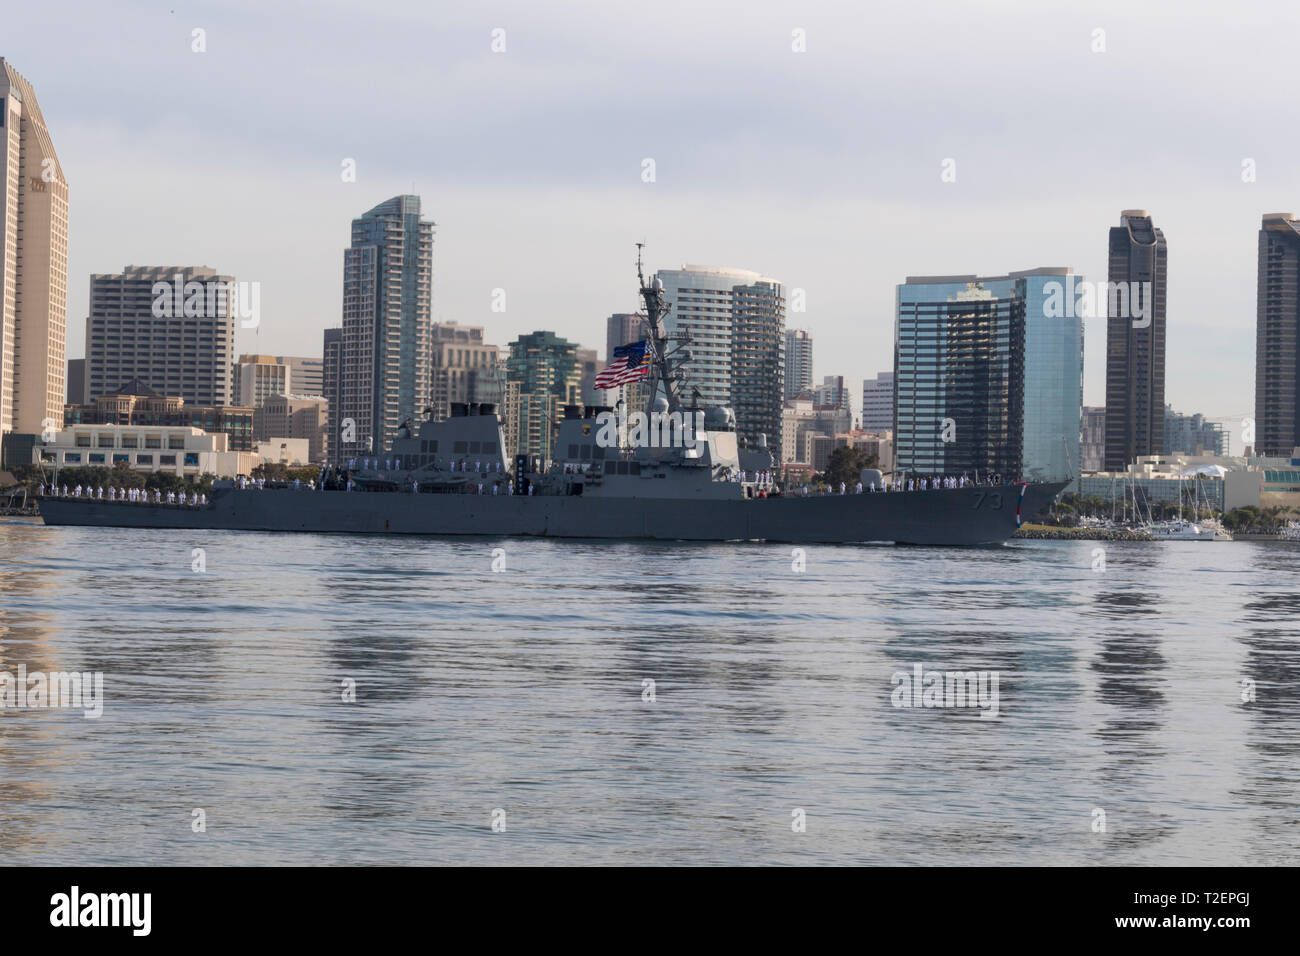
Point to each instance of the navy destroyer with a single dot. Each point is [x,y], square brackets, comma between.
[675,473]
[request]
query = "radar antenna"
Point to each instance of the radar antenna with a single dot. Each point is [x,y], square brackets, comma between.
[656,308]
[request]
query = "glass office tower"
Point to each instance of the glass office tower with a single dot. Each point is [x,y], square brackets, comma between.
[999,360]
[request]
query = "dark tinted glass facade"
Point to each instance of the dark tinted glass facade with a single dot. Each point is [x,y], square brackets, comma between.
[1135,342]
[959,355]
[1277,327]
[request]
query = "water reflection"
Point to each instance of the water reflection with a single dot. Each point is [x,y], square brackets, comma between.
[526,690]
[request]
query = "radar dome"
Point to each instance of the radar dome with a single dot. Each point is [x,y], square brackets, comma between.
[660,405]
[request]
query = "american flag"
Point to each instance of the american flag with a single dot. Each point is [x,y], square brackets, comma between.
[631,364]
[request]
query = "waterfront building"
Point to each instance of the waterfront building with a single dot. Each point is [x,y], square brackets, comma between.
[33,263]
[988,375]
[184,451]
[135,403]
[1135,340]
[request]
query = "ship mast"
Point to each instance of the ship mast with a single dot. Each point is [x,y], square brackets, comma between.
[656,307]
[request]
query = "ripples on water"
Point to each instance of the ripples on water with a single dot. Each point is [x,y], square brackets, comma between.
[522,690]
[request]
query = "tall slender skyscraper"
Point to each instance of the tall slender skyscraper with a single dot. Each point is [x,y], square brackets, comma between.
[387,324]
[1135,341]
[331,372]
[798,362]
[33,265]
[1277,332]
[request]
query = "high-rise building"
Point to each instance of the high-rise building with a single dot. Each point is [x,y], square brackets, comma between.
[878,402]
[1135,341]
[1193,435]
[832,391]
[463,368]
[295,416]
[34,266]
[545,368]
[331,365]
[76,382]
[732,325]
[588,367]
[798,362]
[623,328]
[989,375]
[307,374]
[258,377]
[1277,333]
[387,323]
[801,418]
[170,327]
[1092,444]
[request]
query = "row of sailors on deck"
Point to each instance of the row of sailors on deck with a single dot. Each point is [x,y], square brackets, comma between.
[395,464]
[915,484]
[496,488]
[763,477]
[142,495]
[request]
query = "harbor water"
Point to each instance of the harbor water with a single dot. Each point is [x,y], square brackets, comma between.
[317,699]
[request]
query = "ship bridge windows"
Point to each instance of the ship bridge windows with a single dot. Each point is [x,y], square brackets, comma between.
[459,447]
[475,447]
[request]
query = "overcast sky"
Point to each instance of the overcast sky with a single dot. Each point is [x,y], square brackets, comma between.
[820,168]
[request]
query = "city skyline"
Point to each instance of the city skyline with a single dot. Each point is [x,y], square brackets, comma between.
[595,203]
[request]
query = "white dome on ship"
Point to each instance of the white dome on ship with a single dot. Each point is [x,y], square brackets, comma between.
[717,417]
[660,404]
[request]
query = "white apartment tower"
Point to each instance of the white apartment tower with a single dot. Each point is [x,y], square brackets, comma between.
[798,362]
[387,351]
[732,324]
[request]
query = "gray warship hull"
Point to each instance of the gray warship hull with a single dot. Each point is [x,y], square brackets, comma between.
[957,516]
